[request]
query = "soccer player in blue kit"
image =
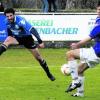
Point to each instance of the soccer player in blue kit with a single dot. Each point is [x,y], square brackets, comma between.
[21,32]
[88,58]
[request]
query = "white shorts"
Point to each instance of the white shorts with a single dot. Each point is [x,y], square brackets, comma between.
[87,55]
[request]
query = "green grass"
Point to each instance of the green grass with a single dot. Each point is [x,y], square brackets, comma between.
[21,77]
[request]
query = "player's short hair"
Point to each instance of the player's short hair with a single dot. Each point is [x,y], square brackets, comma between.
[98,4]
[9,10]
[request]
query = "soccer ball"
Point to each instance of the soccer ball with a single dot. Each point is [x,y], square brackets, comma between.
[65,69]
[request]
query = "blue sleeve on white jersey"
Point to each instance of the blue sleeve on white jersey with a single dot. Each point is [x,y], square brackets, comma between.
[95,32]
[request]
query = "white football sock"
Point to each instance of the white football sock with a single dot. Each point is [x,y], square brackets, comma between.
[81,88]
[74,70]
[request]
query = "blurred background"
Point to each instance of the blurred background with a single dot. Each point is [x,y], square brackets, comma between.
[62,5]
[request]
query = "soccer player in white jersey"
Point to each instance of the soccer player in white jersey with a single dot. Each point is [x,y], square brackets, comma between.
[88,57]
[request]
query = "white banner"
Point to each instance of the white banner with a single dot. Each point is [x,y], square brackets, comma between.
[62,27]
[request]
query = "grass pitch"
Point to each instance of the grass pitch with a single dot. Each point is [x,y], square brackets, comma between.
[22,78]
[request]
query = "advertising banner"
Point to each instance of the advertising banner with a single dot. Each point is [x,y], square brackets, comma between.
[57,27]
[67,27]
[3,32]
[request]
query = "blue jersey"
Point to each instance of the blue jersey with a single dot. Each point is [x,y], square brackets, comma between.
[95,34]
[20,27]
[97,20]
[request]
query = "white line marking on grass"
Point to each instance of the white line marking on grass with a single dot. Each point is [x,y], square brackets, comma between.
[17,67]
[7,88]
[21,67]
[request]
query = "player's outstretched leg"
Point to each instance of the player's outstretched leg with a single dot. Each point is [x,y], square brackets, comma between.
[2,48]
[46,69]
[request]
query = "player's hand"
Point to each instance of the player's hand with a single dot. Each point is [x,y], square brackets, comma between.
[41,45]
[74,46]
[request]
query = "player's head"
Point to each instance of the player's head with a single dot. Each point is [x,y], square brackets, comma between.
[9,13]
[98,8]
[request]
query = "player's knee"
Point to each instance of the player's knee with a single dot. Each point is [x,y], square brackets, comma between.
[8,41]
[70,54]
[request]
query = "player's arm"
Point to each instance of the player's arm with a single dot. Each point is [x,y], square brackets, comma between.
[80,43]
[27,26]
[93,34]
[35,33]
[84,41]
